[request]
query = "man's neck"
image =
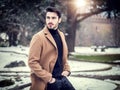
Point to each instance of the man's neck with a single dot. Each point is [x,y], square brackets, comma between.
[53,31]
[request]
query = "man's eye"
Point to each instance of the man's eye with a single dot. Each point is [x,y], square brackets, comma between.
[48,17]
[53,17]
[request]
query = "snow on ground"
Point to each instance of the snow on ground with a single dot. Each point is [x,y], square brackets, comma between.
[88,66]
[8,57]
[91,84]
[113,71]
[9,54]
[89,50]
[18,49]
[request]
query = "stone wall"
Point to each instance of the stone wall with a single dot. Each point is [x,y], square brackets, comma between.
[98,31]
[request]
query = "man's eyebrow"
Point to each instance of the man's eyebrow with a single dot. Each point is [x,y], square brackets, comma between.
[51,16]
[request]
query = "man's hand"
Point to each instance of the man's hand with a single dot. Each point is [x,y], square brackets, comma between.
[65,73]
[52,80]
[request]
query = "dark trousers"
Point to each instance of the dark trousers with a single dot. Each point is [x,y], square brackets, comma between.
[61,83]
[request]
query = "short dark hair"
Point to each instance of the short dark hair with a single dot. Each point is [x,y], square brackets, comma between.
[53,9]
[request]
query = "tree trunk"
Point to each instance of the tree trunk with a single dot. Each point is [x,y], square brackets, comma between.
[13,37]
[71,26]
[23,37]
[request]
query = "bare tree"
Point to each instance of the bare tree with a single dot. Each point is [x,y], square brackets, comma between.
[96,7]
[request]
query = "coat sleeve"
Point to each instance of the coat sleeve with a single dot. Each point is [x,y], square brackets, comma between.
[34,59]
[66,66]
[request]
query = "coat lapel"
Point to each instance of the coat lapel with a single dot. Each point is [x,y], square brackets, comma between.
[49,37]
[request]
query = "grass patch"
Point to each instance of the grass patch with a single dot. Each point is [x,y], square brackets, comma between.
[98,58]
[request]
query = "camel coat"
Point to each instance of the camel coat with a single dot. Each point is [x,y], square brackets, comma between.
[42,58]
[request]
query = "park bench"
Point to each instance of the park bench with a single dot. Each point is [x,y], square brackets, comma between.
[100,48]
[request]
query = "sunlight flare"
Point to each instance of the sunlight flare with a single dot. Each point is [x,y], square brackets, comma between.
[80,3]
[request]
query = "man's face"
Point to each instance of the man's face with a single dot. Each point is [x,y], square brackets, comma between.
[52,20]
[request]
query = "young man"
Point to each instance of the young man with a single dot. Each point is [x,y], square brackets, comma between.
[48,56]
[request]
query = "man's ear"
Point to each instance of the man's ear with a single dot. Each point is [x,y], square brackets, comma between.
[60,20]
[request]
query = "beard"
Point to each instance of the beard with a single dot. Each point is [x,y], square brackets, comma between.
[51,26]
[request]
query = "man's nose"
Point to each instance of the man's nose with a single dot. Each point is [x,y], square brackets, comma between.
[50,20]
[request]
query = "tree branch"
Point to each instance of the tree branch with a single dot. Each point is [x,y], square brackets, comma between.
[86,15]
